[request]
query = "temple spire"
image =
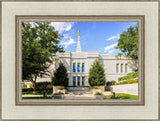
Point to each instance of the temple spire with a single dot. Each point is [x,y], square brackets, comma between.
[78,49]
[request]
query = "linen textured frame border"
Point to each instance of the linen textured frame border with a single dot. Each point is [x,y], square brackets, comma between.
[20,19]
[74,1]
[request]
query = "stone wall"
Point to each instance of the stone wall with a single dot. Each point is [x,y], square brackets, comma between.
[78,88]
[57,88]
[126,88]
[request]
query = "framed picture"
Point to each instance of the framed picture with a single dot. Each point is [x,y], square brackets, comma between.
[85,60]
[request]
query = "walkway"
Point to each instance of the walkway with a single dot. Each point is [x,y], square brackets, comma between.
[75,95]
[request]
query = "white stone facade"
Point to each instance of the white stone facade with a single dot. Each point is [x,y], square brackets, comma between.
[114,68]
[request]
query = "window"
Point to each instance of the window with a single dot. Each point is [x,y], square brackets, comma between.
[121,68]
[74,67]
[83,79]
[117,68]
[74,81]
[82,67]
[78,67]
[126,68]
[78,81]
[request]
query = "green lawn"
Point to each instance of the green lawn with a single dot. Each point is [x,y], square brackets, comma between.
[36,93]
[122,96]
[36,97]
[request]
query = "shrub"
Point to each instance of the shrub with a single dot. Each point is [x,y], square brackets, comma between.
[96,74]
[109,83]
[129,76]
[129,81]
[98,93]
[24,86]
[40,86]
[60,77]
[27,89]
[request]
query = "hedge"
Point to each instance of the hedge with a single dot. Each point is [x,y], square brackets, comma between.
[129,76]
[109,83]
[129,81]
[40,86]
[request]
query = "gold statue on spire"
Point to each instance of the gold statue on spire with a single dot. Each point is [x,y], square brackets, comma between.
[78,32]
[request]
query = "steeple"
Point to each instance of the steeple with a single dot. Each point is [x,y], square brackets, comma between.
[78,49]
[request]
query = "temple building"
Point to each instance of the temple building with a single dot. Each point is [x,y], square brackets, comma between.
[78,64]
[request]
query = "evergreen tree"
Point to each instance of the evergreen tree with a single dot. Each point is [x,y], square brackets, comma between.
[97,74]
[60,77]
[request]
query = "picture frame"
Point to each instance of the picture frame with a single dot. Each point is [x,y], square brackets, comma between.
[146,14]
[20,19]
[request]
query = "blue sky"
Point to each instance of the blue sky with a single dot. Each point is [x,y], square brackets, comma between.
[95,36]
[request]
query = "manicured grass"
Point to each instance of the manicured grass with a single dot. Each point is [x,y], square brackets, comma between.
[122,96]
[36,97]
[36,93]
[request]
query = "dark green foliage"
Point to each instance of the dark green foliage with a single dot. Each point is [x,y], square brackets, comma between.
[48,92]
[44,86]
[131,75]
[97,74]
[40,43]
[40,86]
[60,77]
[27,89]
[109,83]
[50,97]
[128,43]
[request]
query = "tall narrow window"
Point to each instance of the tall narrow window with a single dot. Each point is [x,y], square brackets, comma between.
[74,81]
[74,67]
[117,68]
[78,67]
[126,69]
[121,68]
[78,80]
[83,79]
[82,67]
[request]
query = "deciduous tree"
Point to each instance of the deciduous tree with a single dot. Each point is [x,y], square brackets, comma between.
[40,42]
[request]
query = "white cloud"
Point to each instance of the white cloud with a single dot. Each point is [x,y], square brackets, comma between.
[107,48]
[67,41]
[62,26]
[113,37]
[110,52]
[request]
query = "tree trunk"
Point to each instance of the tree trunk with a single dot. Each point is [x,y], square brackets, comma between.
[34,85]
